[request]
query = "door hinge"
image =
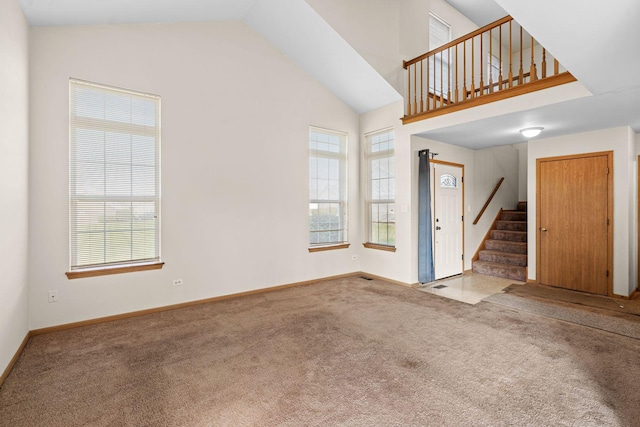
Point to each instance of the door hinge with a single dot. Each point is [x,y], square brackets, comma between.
[607,170]
[607,221]
[462,218]
[462,179]
[607,273]
[463,257]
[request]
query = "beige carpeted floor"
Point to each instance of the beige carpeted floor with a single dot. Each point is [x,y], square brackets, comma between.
[346,352]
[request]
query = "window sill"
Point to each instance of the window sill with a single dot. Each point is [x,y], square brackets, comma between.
[329,247]
[379,247]
[104,271]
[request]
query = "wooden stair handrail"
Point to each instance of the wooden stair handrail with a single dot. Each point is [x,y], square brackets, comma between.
[453,77]
[486,205]
[461,39]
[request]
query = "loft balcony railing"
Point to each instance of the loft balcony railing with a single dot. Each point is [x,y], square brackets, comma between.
[497,61]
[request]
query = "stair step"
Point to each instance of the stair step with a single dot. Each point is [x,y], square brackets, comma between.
[514,216]
[503,257]
[506,246]
[522,206]
[500,270]
[512,236]
[511,225]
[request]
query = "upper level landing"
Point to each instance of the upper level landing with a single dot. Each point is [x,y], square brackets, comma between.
[495,62]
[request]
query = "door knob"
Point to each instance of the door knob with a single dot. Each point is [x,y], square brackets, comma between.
[543,229]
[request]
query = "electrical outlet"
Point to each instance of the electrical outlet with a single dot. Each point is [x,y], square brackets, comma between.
[177,282]
[53,296]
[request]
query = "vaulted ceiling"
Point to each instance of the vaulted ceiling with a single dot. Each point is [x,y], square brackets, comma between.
[599,42]
[290,25]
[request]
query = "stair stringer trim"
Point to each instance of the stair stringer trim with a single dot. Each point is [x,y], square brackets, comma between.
[486,237]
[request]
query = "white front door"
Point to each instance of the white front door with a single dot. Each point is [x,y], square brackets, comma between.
[447,220]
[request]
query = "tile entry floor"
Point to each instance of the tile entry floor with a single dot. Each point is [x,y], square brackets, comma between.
[470,288]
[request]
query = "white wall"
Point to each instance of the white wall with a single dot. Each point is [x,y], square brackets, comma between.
[621,142]
[386,32]
[522,171]
[371,27]
[14,149]
[235,117]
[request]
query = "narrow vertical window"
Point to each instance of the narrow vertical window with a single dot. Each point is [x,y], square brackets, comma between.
[114,177]
[381,194]
[493,67]
[439,34]
[327,187]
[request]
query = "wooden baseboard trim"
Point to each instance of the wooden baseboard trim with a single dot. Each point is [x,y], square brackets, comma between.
[98,320]
[633,294]
[629,297]
[14,359]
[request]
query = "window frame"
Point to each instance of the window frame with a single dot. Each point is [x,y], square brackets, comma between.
[370,157]
[436,61]
[79,267]
[494,67]
[341,201]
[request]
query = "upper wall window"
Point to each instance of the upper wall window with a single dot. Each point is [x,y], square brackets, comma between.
[327,187]
[381,191]
[493,67]
[439,34]
[114,177]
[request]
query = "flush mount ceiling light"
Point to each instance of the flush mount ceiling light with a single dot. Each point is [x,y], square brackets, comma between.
[531,132]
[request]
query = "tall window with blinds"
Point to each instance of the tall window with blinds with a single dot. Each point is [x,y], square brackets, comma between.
[114,178]
[327,187]
[381,194]
[439,34]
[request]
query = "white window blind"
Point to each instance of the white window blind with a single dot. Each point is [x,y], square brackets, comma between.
[439,34]
[493,67]
[114,176]
[381,215]
[327,187]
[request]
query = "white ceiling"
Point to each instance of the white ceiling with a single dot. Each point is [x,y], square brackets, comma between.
[298,31]
[480,12]
[86,12]
[599,42]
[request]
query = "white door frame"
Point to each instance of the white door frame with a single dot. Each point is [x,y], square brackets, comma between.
[433,207]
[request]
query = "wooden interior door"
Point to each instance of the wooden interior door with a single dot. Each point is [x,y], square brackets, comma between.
[574,206]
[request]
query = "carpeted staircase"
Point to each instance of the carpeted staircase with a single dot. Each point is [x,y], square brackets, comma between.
[505,252]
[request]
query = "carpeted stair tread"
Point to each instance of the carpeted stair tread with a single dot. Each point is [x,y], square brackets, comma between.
[513,272]
[505,252]
[503,257]
[506,246]
[514,216]
[512,236]
[511,225]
